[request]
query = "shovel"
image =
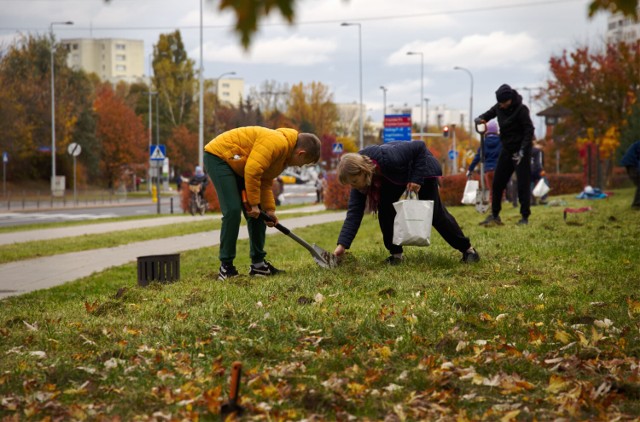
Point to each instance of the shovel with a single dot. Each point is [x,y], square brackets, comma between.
[324,258]
[482,200]
[231,410]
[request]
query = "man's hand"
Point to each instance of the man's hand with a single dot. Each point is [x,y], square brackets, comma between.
[272,216]
[340,250]
[469,174]
[254,212]
[517,157]
[478,120]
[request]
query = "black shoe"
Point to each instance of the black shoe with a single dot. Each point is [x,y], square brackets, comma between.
[522,222]
[492,221]
[227,271]
[394,260]
[264,270]
[470,256]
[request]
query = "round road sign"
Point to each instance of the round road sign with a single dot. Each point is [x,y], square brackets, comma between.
[74,149]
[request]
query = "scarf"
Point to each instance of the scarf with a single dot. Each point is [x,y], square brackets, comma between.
[373,192]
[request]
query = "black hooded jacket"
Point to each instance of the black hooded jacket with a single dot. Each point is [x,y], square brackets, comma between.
[516,127]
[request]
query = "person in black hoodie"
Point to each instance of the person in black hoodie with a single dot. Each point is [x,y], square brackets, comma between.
[516,135]
[378,176]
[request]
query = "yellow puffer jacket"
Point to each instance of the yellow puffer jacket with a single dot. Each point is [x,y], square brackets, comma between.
[258,155]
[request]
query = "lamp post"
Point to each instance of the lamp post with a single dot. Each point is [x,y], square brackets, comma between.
[218,90]
[426,117]
[470,98]
[218,81]
[150,93]
[421,54]
[384,108]
[53,107]
[200,100]
[360,67]
[160,164]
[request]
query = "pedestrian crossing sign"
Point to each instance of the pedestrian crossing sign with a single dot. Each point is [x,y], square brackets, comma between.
[157,152]
[337,148]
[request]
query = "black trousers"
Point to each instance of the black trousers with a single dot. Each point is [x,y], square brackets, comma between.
[443,222]
[504,169]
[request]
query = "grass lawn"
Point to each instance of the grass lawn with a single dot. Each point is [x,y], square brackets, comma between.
[546,326]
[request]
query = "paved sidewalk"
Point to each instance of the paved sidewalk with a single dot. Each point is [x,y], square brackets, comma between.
[41,273]
[97,228]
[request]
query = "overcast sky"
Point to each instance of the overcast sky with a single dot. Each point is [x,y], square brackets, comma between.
[498,41]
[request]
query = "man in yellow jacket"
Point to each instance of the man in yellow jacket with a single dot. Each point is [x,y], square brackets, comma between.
[249,158]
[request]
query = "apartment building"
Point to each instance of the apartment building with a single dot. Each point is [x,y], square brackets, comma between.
[113,60]
[230,91]
[621,28]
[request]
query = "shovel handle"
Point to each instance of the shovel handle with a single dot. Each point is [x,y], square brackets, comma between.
[234,392]
[278,226]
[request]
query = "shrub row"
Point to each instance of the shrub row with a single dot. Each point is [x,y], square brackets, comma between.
[451,188]
[336,196]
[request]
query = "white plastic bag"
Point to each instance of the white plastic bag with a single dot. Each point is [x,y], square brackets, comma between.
[470,192]
[541,188]
[412,225]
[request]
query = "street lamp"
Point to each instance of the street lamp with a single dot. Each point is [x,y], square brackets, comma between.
[53,108]
[200,100]
[218,89]
[384,101]
[426,117]
[416,53]
[360,66]
[150,93]
[470,98]
[218,81]
[384,108]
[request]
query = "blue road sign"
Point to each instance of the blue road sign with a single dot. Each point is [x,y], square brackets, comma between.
[337,148]
[157,152]
[397,134]
[451,156]
[5,157]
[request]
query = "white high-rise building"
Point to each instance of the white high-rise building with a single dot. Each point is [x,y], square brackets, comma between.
[621,28]
[113,60]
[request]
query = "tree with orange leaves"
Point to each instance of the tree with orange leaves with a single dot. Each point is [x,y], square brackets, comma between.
[120,133]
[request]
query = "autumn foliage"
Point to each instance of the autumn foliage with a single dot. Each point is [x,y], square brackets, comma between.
[336,196]
[120,132]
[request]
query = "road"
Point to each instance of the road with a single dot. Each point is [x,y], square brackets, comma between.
[30,213]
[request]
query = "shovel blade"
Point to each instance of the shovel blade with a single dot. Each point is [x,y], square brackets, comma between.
[324,258]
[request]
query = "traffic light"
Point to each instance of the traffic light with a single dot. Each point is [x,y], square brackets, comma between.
[445,131]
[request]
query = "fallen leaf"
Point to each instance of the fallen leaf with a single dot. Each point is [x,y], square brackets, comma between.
[562,336]
[557,384]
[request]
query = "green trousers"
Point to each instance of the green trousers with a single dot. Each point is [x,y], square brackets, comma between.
[228,185]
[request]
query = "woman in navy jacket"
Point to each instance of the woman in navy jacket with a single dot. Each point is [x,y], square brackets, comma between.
[378,176]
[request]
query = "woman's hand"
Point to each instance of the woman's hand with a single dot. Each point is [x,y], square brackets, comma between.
[413,187]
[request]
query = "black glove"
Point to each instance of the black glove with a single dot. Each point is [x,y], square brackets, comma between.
[478,120]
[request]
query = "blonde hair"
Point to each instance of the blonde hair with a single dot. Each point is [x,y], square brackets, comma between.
[353,164]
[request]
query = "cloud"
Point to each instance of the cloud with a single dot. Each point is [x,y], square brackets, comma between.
[293,50]
[497,49]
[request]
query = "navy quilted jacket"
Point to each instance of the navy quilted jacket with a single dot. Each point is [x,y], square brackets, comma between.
[400,163]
